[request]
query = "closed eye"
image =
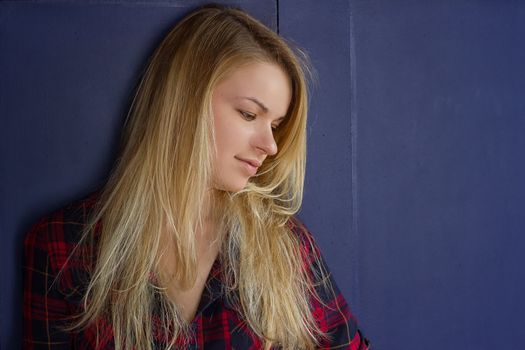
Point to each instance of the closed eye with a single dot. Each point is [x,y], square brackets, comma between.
[250,116]
[246,115]
[277,125]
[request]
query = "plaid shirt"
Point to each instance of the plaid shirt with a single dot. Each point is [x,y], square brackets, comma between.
[216,324]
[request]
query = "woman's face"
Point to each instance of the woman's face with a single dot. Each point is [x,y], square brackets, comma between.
[247,106]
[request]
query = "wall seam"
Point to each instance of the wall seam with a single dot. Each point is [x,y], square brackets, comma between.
[277,19]
[354,241]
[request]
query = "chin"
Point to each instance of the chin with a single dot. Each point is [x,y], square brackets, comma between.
[234,189]
[232,186]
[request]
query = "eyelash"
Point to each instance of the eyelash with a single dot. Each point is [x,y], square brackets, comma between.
[249,117]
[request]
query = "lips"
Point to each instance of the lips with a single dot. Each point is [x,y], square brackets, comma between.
[254,163]
[250,164]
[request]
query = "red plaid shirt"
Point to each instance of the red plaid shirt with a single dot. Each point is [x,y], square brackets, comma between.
[216,324]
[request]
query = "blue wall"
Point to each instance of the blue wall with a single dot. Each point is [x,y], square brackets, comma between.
[415,185]
[439,87]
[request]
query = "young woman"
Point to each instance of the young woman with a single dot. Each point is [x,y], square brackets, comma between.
[193,243]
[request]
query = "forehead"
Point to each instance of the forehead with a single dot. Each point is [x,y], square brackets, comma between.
[265,82]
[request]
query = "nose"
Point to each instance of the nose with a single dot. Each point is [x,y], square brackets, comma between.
[265,141]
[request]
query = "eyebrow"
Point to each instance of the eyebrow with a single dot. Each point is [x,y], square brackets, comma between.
[260,104]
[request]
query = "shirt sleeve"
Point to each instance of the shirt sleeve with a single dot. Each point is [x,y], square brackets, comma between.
[45,307]
[329,307]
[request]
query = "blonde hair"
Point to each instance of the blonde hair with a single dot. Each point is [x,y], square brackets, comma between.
[161,183]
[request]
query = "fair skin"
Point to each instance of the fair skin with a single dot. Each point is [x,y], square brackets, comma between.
[247,106]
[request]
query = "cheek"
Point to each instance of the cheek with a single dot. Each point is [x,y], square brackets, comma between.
[223,138]
[231,134]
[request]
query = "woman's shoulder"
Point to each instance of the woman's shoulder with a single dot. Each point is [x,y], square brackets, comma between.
[329,306]
[307,241]
[54,238]
[64,224]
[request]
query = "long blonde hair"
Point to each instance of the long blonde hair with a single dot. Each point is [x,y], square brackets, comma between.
[161,182]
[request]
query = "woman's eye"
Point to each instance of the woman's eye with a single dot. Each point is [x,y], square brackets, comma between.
[247,116]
